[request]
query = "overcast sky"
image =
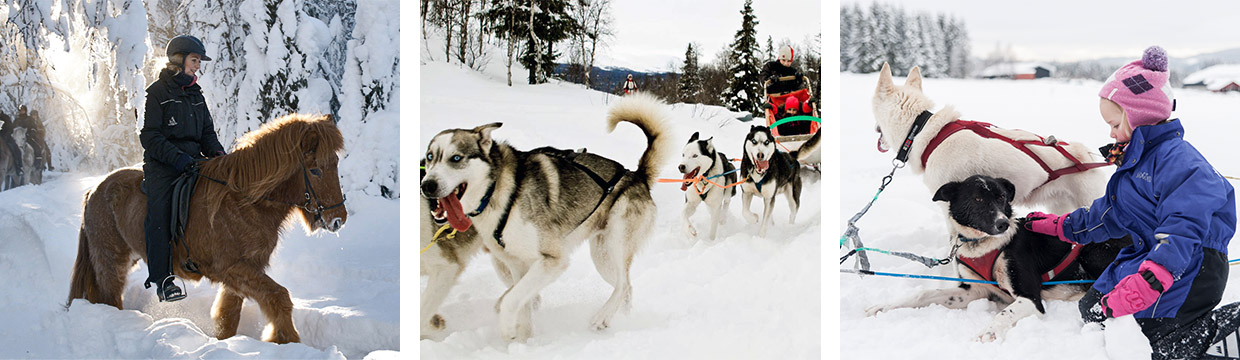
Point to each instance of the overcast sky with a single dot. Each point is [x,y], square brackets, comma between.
[1085,29]
[650,34]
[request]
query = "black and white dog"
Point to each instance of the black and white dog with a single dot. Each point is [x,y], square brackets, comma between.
[769,172]
[700,158]
[994,246]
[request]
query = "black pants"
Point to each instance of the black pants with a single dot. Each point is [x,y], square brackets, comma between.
[1195,326]
[158,187]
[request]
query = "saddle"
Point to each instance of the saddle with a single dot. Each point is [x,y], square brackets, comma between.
[182,192]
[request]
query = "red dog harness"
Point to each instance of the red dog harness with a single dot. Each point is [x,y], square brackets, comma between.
[984,265]
[984,130]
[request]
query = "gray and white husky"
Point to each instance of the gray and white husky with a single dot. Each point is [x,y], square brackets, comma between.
[769,172]
[700,158]
[532,209]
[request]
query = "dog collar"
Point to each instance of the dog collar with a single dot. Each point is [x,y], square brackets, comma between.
[964,239]
[486,200]
[918,125]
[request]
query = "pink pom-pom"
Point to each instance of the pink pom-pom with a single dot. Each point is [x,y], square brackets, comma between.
[1155,58]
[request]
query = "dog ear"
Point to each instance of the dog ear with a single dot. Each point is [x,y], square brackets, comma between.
[914,78]
[484,133]
[1010,190]
[693,138]
[885,84]
[946,192]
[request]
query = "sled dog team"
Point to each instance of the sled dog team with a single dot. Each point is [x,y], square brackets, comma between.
[531,209]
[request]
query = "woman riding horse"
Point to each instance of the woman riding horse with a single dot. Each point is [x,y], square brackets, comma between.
[176,130]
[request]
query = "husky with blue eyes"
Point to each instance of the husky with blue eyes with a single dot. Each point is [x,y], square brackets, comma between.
[532,209]
[768,172]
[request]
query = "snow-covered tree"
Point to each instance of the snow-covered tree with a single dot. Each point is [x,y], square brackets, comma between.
[690,77]
[745,90]
[371,102]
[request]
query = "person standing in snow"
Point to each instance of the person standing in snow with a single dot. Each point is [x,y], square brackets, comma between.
[629,86]
[1179,212]
[35,136]
[177,129]
[7,127]
[776,73]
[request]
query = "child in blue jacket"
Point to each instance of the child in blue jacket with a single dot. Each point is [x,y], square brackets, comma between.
[1179,212]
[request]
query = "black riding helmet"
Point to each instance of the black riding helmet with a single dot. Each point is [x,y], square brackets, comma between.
[187,44]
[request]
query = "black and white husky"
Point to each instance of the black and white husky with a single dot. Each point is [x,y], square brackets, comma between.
[532,209]
[994,246]
[700,158]
[769,172]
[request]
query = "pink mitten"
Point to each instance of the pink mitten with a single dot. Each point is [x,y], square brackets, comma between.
[1049,224]
[1137,291]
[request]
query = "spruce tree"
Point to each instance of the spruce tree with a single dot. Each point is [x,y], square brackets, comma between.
[690,79]
[745,90]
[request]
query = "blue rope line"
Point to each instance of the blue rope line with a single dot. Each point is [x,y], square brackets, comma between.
[944,278]
[733,170]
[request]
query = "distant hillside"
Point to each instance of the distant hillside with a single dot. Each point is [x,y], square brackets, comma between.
[1099,69]
[608,79]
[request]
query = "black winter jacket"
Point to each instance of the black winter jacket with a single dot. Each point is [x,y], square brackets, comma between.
[177,121]
[774,70]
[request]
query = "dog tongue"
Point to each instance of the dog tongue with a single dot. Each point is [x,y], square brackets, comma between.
[456,215]
[685,185]
[761,165]
[881,148]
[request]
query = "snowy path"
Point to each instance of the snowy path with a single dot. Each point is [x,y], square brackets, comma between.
[905,219]
[345,289]
[739,296]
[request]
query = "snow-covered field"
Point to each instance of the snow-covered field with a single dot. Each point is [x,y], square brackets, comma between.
[345,289]
[739,297]
[905,219]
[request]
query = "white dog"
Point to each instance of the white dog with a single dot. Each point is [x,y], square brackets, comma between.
[965,153]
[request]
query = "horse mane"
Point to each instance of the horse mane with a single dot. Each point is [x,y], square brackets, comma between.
[264,158]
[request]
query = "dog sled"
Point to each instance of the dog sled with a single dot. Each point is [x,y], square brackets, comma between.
[791,135]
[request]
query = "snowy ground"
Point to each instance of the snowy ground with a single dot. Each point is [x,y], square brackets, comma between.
[739,296]
[905,219]
[345,289]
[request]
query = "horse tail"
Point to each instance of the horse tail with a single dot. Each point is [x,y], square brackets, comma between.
[83,279]
[649,114]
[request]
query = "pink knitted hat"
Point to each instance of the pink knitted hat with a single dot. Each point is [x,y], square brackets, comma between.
[1141,89]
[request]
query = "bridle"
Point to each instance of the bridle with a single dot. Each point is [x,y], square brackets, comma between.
[313,204]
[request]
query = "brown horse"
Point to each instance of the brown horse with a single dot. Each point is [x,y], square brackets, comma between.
[285,169]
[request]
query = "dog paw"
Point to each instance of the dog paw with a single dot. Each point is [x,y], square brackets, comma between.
[874,310]
[987,336]
[600,323]
[515,333]
[752,218]
[437,322]
[692,232]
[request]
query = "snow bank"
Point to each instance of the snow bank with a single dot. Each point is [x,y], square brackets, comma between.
[739,296]
[345,289]
[905,219]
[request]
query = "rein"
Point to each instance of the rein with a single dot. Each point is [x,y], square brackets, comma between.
[315,208]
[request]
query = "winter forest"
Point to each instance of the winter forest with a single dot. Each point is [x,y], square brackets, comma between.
[84,65]
[562,39]
[938,43]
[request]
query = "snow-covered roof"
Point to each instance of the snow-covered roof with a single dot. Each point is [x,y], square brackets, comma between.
[1215,77]
[1014,68]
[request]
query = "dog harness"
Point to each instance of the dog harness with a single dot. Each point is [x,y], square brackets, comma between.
[984,130]
[581,160]
[984,265]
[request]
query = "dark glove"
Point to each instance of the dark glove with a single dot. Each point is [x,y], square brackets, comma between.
[182,162]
